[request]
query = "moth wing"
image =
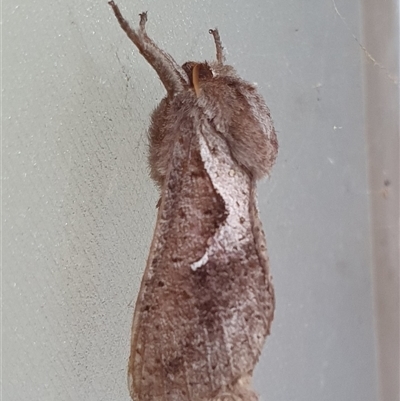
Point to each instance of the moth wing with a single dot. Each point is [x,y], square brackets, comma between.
[201,317]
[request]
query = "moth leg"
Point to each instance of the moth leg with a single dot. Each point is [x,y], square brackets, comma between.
[171,74]
[218,45]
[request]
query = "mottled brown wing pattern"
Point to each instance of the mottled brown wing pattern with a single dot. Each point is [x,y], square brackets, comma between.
[198,330]
[190,213]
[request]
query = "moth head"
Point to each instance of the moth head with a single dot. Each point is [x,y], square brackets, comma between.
[196,73]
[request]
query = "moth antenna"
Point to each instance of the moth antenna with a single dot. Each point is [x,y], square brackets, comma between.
[171,74]
[195,79]
[143,20]
[218,45]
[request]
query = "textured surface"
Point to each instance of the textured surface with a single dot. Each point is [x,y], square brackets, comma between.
[78,207]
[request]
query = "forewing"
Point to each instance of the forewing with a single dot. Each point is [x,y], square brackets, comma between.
[205,303]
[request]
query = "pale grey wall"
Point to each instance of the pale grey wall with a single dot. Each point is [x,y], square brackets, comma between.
[78,206]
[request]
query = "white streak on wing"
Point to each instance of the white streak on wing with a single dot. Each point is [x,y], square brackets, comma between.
[232,183]
[201,262]
[229,241]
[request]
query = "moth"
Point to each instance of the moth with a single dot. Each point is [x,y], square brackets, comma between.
[206,301]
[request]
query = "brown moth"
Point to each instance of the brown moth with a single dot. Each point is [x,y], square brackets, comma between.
[206,301]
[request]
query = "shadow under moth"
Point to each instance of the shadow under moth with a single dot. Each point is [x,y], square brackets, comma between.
[206,301]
